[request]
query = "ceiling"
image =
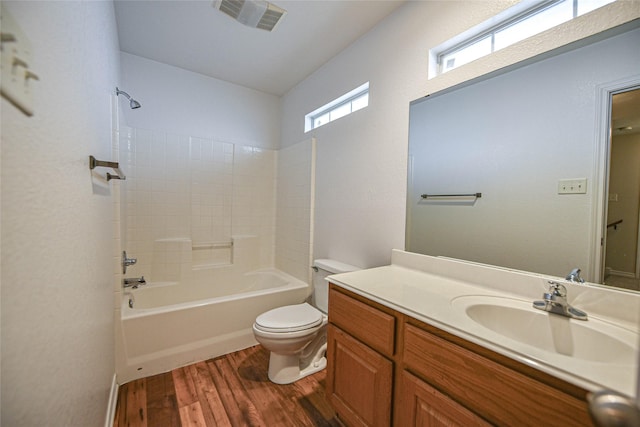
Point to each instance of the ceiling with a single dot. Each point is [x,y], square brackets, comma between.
[195,36]
[625,112]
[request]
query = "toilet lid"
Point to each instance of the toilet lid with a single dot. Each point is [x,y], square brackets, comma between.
[289,318]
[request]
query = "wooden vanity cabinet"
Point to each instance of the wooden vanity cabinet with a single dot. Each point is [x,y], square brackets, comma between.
[386,368]
[360,351]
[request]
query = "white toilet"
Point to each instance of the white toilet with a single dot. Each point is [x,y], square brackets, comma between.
[296,335]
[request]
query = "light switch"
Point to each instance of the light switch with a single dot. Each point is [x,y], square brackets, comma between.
[572,186]
[16,84]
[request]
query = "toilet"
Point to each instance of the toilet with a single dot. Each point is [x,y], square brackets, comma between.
[296,335]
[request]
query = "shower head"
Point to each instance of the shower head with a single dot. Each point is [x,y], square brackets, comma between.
[132,102]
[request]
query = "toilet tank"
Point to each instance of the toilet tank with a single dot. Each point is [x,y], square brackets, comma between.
[322,269]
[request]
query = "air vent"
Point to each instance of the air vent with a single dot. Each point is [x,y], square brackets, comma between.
[252,13]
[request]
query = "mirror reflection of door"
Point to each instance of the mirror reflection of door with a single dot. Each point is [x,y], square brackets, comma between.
[622,247]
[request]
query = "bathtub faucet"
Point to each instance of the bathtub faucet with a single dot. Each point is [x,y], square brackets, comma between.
[134,282]
[574,276]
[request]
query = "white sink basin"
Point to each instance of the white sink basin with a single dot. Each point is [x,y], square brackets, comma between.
[592,340]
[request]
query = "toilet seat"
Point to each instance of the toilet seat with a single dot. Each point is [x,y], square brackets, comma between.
[290,318]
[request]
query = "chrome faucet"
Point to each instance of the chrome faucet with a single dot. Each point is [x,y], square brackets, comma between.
[555,301]
[134,282]
[574,276]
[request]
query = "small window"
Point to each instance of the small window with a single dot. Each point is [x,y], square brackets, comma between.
[471,52]
[516,23]
[348,103]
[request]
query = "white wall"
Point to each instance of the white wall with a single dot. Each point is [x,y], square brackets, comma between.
[58,265]
[362,158]
[187,103]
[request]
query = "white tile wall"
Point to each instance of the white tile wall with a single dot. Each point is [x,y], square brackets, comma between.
[181,187]
[254,197]
[294,209]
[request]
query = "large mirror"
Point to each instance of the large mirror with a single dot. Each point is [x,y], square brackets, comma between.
[513,169]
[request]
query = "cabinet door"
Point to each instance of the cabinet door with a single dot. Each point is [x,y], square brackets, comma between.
[423,406]
[358,381]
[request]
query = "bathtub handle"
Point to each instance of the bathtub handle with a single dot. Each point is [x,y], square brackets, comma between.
[126,262]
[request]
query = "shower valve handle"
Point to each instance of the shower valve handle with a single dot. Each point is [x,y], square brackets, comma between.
[126,262]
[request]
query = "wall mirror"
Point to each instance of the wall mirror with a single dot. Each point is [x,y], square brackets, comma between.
[533,141]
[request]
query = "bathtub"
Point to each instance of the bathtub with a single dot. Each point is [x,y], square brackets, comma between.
[167,325]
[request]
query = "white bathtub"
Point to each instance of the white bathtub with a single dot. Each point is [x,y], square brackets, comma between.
[171,324]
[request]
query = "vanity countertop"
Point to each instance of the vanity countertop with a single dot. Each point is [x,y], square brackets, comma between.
[433,290]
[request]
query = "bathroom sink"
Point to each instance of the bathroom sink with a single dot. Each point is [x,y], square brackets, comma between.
[516,320]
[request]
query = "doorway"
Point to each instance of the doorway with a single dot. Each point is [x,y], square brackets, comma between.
[622,241]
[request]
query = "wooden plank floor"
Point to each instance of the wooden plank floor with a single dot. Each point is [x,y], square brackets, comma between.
[231,390]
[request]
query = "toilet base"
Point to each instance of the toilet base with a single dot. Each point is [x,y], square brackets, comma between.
[285,369]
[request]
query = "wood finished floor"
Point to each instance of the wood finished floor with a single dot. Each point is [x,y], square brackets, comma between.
[231,390]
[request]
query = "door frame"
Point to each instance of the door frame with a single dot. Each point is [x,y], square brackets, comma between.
[604,98]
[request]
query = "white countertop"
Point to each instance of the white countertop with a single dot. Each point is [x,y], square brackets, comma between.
[426,287]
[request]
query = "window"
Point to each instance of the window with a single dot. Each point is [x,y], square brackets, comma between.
[517,23]
[348,103]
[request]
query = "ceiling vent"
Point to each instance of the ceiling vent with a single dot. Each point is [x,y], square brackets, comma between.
[252,13]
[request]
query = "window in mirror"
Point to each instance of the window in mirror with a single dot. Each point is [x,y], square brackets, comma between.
[515,24]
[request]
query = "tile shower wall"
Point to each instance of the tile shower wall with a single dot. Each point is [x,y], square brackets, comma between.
[254,197]
[186,191]
[294,220]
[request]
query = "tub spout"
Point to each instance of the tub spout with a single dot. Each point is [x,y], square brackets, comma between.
[574,276]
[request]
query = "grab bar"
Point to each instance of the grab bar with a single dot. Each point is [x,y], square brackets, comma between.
[614,224]
[93,163]
[428,196]
[215,245]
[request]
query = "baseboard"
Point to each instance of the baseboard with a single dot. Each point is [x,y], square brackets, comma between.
[623,274]
[113,400]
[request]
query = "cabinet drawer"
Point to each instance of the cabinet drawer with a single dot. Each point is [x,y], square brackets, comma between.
[370,325]
[495,392]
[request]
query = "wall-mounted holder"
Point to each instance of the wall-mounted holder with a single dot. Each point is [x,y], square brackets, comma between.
[93,163]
